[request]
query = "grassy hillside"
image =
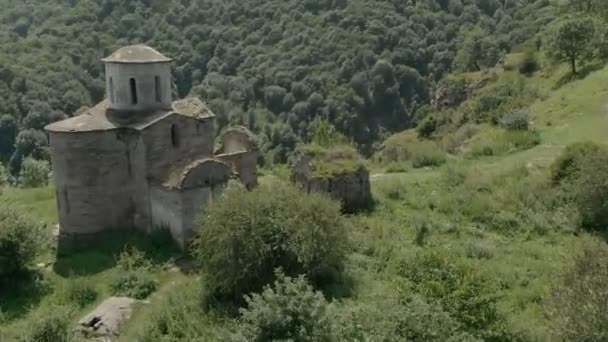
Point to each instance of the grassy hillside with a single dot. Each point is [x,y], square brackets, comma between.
[487,215]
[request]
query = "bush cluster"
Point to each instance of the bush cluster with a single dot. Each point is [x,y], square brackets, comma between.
[34,173]
[516,120]
[53,324]
[245,236]
[581,171]
[289,310]
[21,240]
[469,298]
[133,277]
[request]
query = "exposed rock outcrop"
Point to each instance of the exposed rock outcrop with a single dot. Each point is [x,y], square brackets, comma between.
[106,321]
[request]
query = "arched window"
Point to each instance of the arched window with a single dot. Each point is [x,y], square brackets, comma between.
[174,136]
[111,90]
[133,85]
[159,97]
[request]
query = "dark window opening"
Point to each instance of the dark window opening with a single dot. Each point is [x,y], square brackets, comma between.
[174,136]
[112,98]
[157,87]
[133,85]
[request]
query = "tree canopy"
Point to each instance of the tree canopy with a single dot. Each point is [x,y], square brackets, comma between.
[274,66]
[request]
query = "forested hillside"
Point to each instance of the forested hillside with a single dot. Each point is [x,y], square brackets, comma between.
[275,66]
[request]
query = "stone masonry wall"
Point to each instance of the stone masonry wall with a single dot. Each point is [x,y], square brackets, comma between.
[194,139]
[96,182]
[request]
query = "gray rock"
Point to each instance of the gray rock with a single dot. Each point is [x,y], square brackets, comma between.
[108,318]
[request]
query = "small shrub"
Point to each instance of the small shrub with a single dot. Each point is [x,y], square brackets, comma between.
[78,291]
[570,159]
[396,167]
[131,259]
[427,154]
[480,250]
[422,232]
[495,142]
[453,142]
[50,325]
[4,176]
[290,310]
[34,173]
[578,307]
[520,140]
[180,315]
[427,127]
[468,297]
[20,241]
[516,120]
[528,64]
[588,186]
[396,314]
[246,235]
[138,284]
[133,277]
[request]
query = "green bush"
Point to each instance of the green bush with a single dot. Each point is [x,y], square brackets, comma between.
[78,291]
[427,127]
[51,324]
[180,315]
[516,120]
[133,277]
[570,159]
[138,284]
[495,142]
[4,176]
[427,154]
[394,313]
[290,310]
[20,241]
[469,298]
[34,173]
[577,308]
[528,64]
[245,236]
[588,186]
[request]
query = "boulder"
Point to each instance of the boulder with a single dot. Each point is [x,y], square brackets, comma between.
[108,318]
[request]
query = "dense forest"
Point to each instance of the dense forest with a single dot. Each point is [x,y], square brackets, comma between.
[274,66]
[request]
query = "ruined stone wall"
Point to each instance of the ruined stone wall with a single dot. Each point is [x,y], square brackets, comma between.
[178,209]
[175,140]
[166,210]
[244,164]
[96,180]
[353,189]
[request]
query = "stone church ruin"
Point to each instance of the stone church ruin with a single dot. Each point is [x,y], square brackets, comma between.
[138,159]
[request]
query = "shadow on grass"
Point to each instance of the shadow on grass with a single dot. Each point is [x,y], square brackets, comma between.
[99,253]
[20,293]
[580,74]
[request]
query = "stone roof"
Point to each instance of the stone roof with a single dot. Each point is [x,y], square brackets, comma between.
[101,118]
[136,54]
[185,172]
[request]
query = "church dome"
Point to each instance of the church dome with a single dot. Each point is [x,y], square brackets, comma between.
[136,54]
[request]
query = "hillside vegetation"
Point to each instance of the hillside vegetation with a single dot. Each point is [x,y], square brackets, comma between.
[274,66]
[489,219]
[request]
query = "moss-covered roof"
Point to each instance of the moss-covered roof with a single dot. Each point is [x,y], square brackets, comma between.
[328,162]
